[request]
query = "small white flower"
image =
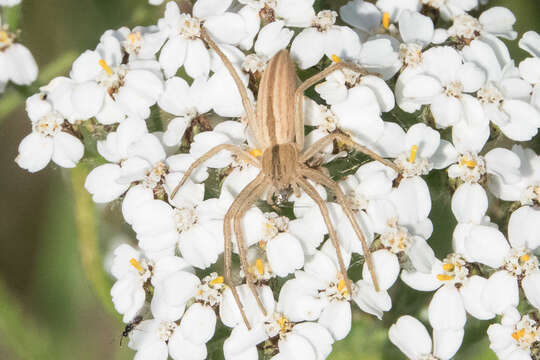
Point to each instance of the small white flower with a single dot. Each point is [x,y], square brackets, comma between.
[505,97]
[186,103]
[134,155]
[16,62]
[514,337]
[50,139]
[157,339]
[496,21]
[458,292]
[132,270]
[451,8]
[324,38]
[444,81]
[412,338]
[514,175]
[184,46]
[516,263]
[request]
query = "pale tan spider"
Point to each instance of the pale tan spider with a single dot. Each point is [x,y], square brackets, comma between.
[278,128]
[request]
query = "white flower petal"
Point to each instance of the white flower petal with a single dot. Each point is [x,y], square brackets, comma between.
[469,203]
[386,268]
[471,293]
[531,288]
[500,292]
[35,152]
[306,48]
[284,254]
[446,310]
[337,318]
[524,228]
[411,337]
[446,342]
[198,323]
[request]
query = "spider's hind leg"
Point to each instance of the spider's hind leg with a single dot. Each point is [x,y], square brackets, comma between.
[246,198]
[342,201]
[312,193]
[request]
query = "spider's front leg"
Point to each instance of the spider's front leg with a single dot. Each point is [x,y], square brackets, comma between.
[241,153]
[328,139]
[299,96]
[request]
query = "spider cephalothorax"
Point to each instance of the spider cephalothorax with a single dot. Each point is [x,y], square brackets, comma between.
[278,128]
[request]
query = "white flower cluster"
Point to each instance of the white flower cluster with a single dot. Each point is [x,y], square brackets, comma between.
[459,78]
[17,65]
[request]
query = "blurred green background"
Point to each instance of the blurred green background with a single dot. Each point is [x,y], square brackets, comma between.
[49,308]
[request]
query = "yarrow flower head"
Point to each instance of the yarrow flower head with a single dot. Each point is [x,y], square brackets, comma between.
[272,186]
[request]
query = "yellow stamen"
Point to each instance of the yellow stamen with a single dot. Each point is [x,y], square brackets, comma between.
[283,323]
[218,280]
[524,258]
[259,266]
[199,292]
[518,334]
[386,20]
[105,67]
[256,152]
[414,150]
[4,36]
[444,277]
[448,267]
[341,285]
[335,58]
[136,264]
[469,163]
[132,37]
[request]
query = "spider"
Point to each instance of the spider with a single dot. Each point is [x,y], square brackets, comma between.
[278,129]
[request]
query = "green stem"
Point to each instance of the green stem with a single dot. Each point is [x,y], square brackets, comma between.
[85,220]
[18,333]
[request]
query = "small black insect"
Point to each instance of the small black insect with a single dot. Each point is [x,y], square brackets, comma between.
[130,327]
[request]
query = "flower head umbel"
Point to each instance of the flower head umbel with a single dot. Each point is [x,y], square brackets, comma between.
[246,216]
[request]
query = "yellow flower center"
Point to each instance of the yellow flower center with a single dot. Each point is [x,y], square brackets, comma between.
[133,37]
[335,58]
[283,324]
[136,265]
[471,164]
[218,280]
[518,334]
[259,266]
[448,267]
[444,277]
[4,37]
[386,20]
[105,67]
[414,150]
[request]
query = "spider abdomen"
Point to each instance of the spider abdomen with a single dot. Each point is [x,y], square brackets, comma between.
[280,163]
[274,123]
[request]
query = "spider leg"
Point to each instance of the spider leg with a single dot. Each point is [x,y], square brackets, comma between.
[227,234]
[242,154]
[322,143]
[342,201]
[312,193]
[299,96]
[246,102]
[249,201]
